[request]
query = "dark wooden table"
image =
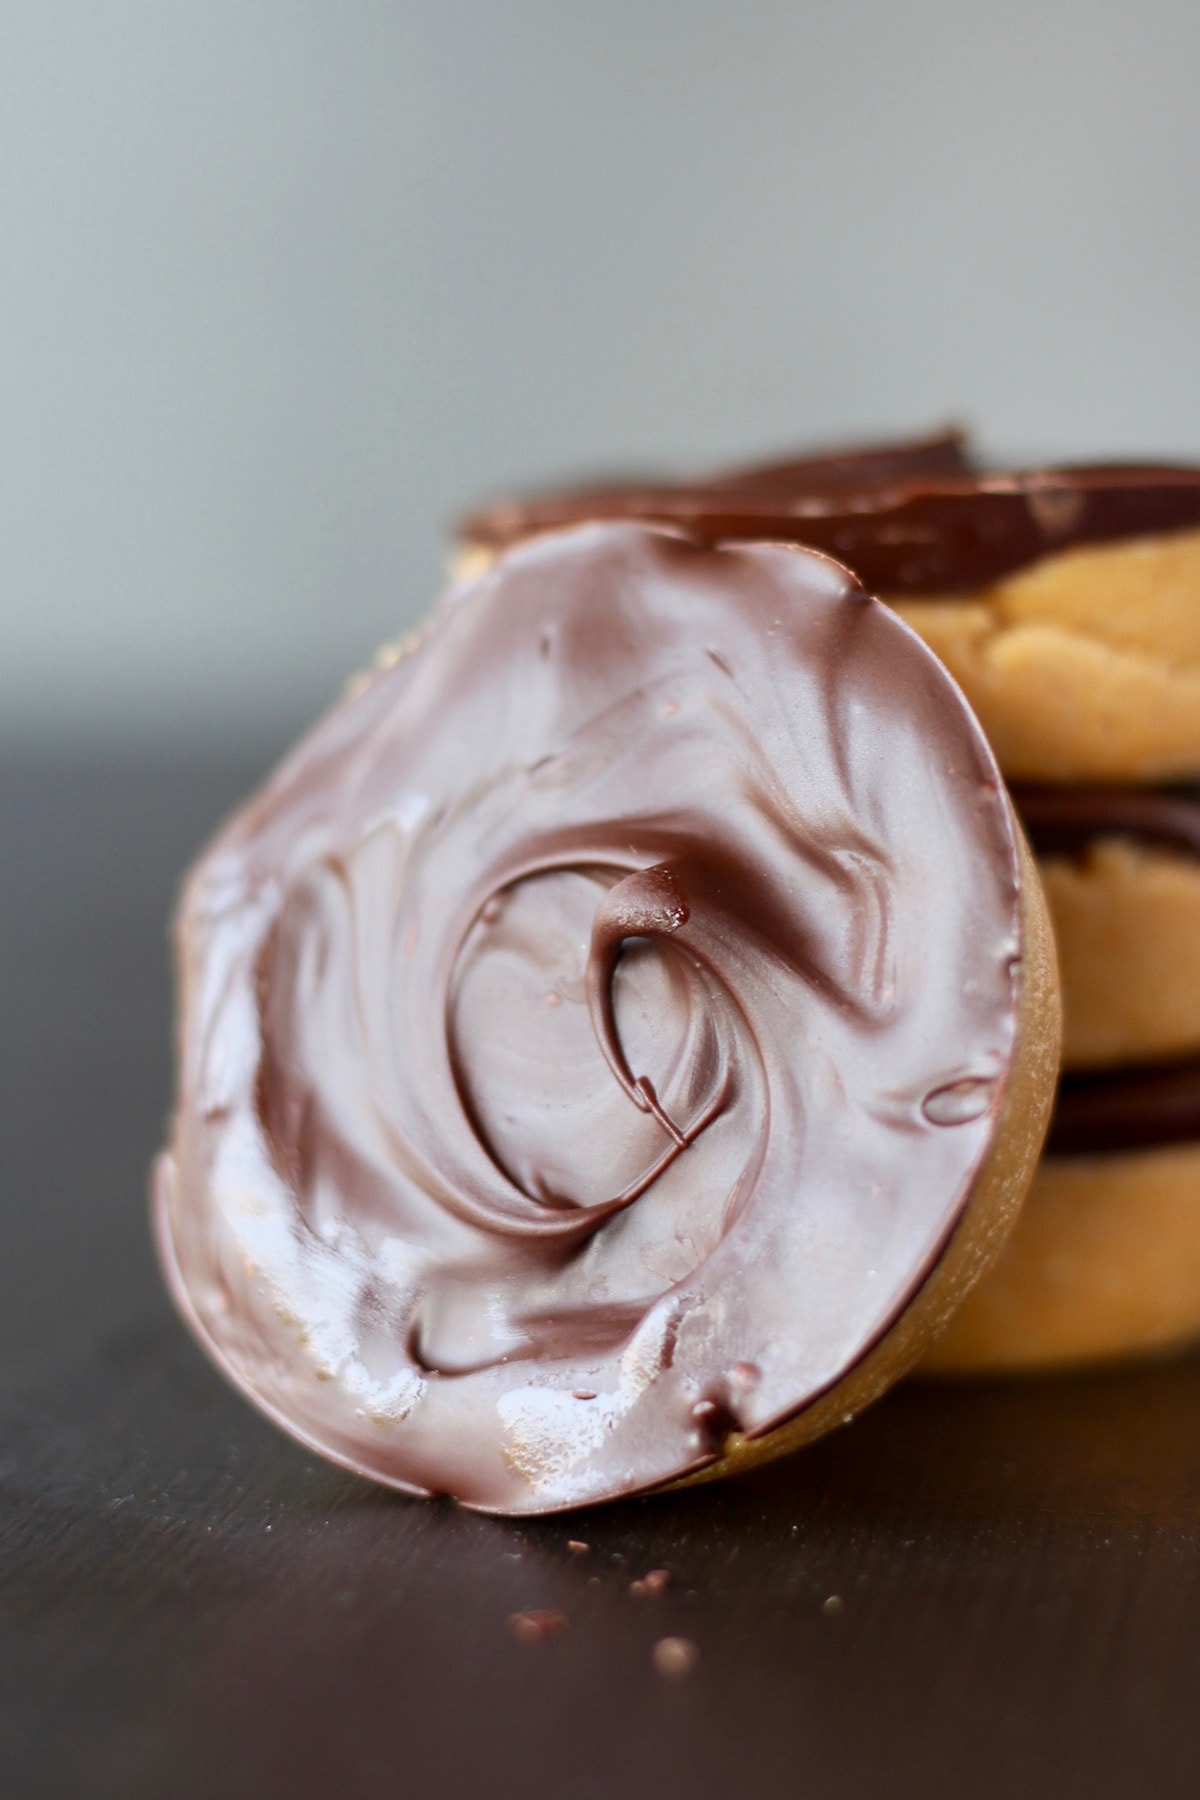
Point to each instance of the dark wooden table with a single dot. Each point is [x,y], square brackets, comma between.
[192,1606]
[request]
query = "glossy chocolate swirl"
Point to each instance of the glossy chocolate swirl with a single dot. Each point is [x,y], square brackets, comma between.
[591,1036]
[908,519]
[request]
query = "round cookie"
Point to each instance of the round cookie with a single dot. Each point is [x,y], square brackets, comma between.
[615,1039]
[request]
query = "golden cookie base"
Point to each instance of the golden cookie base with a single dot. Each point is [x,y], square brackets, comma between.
[1085,666]
[1104,1263]
[1127,920]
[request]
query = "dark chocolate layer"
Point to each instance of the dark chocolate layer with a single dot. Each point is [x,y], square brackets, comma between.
[1062,821]
[593,1034]
[1126,1109]
[909,519]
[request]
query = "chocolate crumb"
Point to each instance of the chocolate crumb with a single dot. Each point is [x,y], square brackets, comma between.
[535,1627]
[651,1585]
[675,1657]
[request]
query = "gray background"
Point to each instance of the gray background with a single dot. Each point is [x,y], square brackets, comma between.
[281,286]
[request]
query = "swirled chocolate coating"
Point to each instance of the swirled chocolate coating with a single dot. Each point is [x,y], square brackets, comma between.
[909,519]
[592,1034]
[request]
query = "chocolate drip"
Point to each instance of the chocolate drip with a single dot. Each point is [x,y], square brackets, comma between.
[1126,1109]
[907,519]
[594,1033]
[1062,821]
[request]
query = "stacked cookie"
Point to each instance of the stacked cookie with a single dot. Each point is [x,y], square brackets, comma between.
[1066,602]
[619,1041]
[1084,668]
